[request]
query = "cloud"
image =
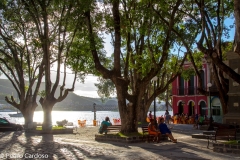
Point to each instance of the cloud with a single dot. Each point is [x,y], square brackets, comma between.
[86,89]
[92,94]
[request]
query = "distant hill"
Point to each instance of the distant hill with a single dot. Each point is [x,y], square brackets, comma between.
[72,102]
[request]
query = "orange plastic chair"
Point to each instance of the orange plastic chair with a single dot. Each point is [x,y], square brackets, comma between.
[82,123]
[116,121]
[148,120]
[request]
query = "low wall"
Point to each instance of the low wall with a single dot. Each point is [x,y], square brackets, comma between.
[226,148]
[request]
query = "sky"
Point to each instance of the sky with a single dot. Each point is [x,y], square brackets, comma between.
[88,89]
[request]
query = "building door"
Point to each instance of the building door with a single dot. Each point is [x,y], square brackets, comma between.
[191,108]
[180,108]
[203,108]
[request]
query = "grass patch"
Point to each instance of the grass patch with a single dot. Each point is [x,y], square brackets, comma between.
[233,142]
[53,128]
[129,134]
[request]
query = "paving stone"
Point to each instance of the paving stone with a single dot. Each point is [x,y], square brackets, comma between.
[84,147]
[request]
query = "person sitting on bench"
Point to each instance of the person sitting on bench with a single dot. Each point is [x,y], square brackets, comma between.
[164,130]
[104,125]
[200,120]
[153,131]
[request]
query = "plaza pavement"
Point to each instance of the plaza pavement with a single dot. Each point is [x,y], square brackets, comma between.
[19,145]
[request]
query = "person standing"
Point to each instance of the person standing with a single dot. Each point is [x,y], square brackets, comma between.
[196,121]
[167,117]
[150,115]
[104,125]
[200,121]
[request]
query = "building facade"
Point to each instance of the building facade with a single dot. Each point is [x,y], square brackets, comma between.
[187,100]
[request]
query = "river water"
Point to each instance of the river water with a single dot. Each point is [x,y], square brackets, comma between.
[71,116]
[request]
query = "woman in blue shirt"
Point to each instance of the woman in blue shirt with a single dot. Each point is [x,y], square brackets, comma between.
[164,130]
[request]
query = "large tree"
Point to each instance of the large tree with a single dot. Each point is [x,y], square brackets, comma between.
[21,58]
[38,37]
[58,26]
[142,50]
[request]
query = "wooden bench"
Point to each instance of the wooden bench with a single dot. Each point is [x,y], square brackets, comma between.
[114,128]
[222,134]
[151,136]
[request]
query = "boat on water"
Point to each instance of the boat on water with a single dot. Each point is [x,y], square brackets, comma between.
[16,115]
[6,110]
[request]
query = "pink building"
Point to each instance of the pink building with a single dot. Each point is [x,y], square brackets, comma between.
[185,97]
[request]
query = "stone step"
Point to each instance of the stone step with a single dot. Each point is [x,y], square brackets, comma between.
[203,135]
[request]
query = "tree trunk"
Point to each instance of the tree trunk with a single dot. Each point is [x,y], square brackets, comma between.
[143,113]
[128,113]
[28,113]
[222,95]
[129,118]
[47,117]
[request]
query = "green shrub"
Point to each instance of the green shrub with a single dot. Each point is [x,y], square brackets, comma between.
[62,123]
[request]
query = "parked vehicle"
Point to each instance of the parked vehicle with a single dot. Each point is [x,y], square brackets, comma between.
[16,115]
[5,125]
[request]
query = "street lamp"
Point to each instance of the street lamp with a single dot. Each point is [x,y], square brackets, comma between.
[94,111]
[154,94]
[210,85]
[211,118]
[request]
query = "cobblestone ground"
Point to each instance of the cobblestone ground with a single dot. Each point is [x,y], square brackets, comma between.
[19,145]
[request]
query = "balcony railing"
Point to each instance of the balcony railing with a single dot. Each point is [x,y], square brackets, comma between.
[185,91]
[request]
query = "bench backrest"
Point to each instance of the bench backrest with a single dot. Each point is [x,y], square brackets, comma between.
[114,128]
[228,133]
[144,129]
